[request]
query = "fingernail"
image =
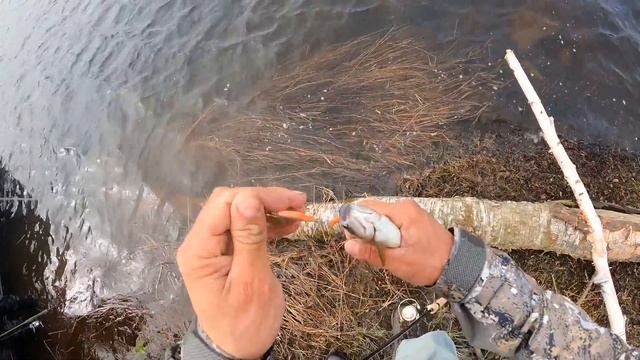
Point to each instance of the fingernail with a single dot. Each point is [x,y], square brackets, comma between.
[250,208]
[300,193]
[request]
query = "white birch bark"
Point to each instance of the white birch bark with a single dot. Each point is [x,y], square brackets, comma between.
[602,276]
[547,226]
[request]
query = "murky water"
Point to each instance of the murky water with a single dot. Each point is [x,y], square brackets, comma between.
[94,97]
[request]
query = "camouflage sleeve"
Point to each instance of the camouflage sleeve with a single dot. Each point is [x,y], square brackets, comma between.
[196,345]
[503,310]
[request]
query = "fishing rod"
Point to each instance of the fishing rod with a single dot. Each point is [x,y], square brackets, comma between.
[394,338]
[9,333]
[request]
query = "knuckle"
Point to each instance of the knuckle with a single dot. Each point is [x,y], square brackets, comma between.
[220,194]
[359,253]
[364,202]
[410,203]
[250,231]
[359,250]
[219,191]
[257,193]
[413,208]
[251,191]
[247,193]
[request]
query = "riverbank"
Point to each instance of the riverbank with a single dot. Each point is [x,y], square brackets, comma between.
[336,303]
[511,164]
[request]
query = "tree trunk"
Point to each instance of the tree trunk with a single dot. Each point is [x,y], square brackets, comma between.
[550,226]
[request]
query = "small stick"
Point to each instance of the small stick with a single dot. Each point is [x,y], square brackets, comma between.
[436,305]
[292,215]
[585,292]
[602,276]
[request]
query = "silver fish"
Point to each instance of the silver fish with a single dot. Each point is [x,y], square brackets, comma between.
[369,225]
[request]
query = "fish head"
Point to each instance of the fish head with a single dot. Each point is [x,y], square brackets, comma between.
[358,220]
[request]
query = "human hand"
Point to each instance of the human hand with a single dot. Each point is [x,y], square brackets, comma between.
[223,260]
[424,249]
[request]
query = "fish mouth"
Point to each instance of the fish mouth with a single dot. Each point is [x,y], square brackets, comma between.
[344,212]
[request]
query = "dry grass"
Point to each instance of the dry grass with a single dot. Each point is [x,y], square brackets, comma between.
[509,167]
[337,303]
[348,114]
[111,329]
[118,320]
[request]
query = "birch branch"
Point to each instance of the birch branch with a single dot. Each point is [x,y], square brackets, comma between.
[602,276]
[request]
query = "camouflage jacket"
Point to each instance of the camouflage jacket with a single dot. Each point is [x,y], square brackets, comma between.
[503,310]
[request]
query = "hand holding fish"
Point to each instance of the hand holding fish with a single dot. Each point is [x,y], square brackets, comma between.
[424,247]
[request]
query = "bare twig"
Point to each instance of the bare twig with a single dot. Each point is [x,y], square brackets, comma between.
[585,292]
[50,352]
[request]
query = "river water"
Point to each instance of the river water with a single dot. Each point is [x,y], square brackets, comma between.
[94,96]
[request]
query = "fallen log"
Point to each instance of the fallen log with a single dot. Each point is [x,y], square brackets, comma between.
[548,226]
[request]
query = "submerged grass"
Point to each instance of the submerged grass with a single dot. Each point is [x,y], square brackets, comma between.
[368,106]
[111,330]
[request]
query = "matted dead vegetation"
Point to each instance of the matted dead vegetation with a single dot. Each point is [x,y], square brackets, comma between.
[111,329]
[118,320]
[337,303]
[348,114]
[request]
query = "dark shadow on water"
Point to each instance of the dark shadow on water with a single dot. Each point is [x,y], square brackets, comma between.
[25,271]
[25,255]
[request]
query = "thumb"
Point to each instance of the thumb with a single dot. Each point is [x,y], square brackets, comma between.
[249,234]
